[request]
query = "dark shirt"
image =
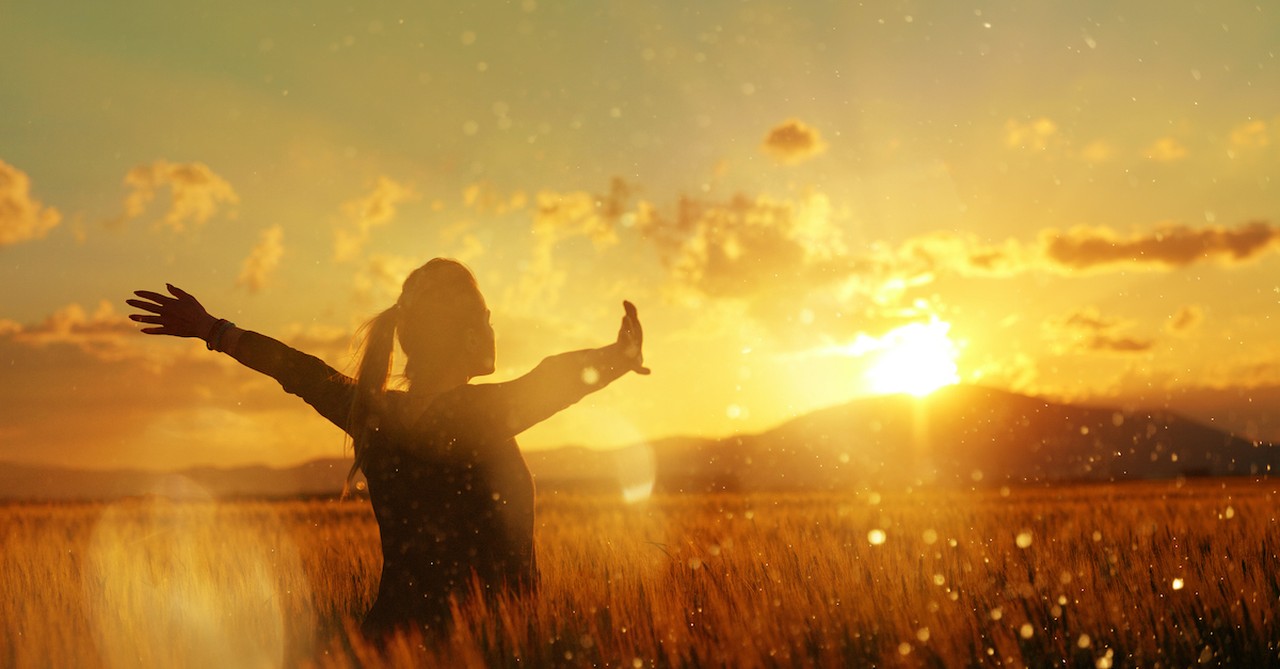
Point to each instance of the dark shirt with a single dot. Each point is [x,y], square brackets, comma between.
[450,490]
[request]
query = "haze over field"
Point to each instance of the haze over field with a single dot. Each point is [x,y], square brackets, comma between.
[809,205]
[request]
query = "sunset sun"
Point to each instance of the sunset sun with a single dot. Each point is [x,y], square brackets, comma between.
[916,359]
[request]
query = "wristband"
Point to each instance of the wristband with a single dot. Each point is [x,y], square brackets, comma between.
[212,330]
[215,335]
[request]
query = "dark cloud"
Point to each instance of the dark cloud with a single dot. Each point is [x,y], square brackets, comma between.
[1118,344]
[1089,331]
[1187,318]
[1167,247]
[22,218]
[1088,249]
[793,141]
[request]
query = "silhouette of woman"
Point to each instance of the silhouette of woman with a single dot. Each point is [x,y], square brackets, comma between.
[451,493]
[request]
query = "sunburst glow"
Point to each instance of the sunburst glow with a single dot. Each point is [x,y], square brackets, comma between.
[917,358]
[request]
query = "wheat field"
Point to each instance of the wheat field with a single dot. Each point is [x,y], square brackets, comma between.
[1154,574]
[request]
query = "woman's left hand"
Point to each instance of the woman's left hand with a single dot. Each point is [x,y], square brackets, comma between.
[181,315]
[631,338]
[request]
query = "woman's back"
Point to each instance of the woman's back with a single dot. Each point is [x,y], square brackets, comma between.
[454,502]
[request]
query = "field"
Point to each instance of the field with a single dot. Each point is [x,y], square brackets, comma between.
[1155,574]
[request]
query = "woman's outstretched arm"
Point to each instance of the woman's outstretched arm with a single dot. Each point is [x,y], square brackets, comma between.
[180,314]
[561,380]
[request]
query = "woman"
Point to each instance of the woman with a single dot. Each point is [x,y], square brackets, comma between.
[450,490]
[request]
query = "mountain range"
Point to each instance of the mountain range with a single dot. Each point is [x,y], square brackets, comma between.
[962,435]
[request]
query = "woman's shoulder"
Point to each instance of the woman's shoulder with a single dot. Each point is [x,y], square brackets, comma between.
[422,409]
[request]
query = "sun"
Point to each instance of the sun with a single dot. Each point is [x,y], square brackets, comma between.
[917,359]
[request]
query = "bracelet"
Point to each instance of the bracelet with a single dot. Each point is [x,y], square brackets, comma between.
[215,334]
[208,338]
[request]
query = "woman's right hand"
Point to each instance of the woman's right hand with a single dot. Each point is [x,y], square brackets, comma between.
[181,315]
[631,338]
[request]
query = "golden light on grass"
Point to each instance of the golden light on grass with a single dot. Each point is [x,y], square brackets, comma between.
[917,359]
[751,581]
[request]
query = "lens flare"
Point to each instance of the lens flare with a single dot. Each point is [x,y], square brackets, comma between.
[176,581]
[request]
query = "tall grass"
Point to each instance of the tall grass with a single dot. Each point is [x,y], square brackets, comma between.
[1132,575]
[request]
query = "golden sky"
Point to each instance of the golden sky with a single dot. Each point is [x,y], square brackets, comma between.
[808,202]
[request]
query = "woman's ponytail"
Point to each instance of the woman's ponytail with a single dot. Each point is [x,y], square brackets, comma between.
[377,350]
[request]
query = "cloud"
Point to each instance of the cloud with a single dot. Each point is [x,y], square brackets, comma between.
[377,284]
[368,212]
[1184,320]
[1097,151]
[1167,247]
[1035,135]
[559,217]
[744,246]
[83,387]
[99,333]
[262,260]
[335,345]
[793,142]
[197,193]
[963,254]
[22,218]
[1166,150]
[1250,135]
[485,199]
[1087,330]
[1084,249]
[785,260]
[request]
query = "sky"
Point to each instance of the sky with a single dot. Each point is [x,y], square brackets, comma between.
[808,202]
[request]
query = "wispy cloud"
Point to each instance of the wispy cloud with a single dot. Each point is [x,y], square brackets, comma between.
[483,198]
[560,216]
[378,282]
[1166,150]
[262,259]
[963,254]
[1096,151]
[364,214]
[1250,135]
[1034,135]
[197,194]
[22,217]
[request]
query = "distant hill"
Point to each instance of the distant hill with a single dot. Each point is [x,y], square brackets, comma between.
[310,479]
[962,435]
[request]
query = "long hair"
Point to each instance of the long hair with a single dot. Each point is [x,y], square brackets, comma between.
[437,303]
